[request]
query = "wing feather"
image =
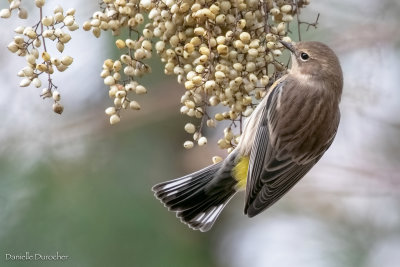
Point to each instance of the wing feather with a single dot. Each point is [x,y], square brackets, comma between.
[275,167]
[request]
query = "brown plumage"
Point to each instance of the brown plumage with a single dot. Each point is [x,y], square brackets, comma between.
[297,125]
[286,135]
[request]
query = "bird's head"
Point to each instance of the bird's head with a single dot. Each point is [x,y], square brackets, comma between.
[315,60]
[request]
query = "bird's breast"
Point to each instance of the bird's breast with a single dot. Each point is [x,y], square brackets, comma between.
[306,121]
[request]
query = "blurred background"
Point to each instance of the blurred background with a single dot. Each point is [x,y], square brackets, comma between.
[76,185]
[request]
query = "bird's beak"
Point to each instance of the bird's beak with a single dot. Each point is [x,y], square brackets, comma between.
[288,46]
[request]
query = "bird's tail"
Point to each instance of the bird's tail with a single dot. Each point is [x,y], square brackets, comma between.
[198,198]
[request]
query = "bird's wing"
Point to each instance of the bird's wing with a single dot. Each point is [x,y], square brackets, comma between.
[272,172]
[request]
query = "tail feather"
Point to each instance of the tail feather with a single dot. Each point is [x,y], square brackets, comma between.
[196,201]
[175,191]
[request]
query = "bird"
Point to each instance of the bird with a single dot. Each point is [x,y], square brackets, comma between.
[284,137]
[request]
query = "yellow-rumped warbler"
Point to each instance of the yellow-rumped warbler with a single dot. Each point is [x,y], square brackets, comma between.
[286,135]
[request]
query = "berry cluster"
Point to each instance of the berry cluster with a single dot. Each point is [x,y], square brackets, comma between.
[224,52]
[121,74]
[14,5]
[31,44]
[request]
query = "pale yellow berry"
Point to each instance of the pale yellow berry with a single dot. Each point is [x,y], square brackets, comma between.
[219,117]
[25,82]
[114,119]
[108,63]
[139,18]
[37,43]
[219,75]
[220,19]
[60,47]
[134,105]
[202,141]
[245,37]
[46,56]
[200,31]
[55,61]
[30,33]
[120,44]
[196,136]
[117,66]
[145,3]
[146,44]
[117,76]
[190,128]
[58,108]
[70,11]
[214,101]
[274,11]
[196,41]
[19,29]
[188,144]
[42,67]
[61,67]
[222,49]
[67,60]
[160,46]
[225,6]
[15,4]
[287,18]
[65,38]
[197,80]
[286,8]
[96,32]
[129,70]
[140,90]
[36,82]
[46,93]
[56,95]
[277,52]
[190,104]
[211,123]
[110,111]
[216,159]
[184,109]
[22,13]
[209,85]
[250,66]
[241,23]
[253,52]
[58,17]
[87,26]
[264,80]
[109,80]
[118,103]
[120,94]
[39,3]
[13,47]
[27,71]
[286,39]
[58,9]
[69,20]
[281,27]
[5,13]
[189,85]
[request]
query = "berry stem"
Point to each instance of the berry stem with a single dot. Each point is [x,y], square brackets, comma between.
[51,85]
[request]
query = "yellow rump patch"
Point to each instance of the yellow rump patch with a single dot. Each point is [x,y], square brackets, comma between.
[240,172]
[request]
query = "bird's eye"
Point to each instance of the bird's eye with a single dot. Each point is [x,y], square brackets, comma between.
[304,56]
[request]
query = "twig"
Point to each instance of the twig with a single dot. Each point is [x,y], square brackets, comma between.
[298,20]
[314,24]
[51,84]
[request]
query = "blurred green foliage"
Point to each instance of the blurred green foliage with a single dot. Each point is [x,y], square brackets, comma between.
[99,209]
